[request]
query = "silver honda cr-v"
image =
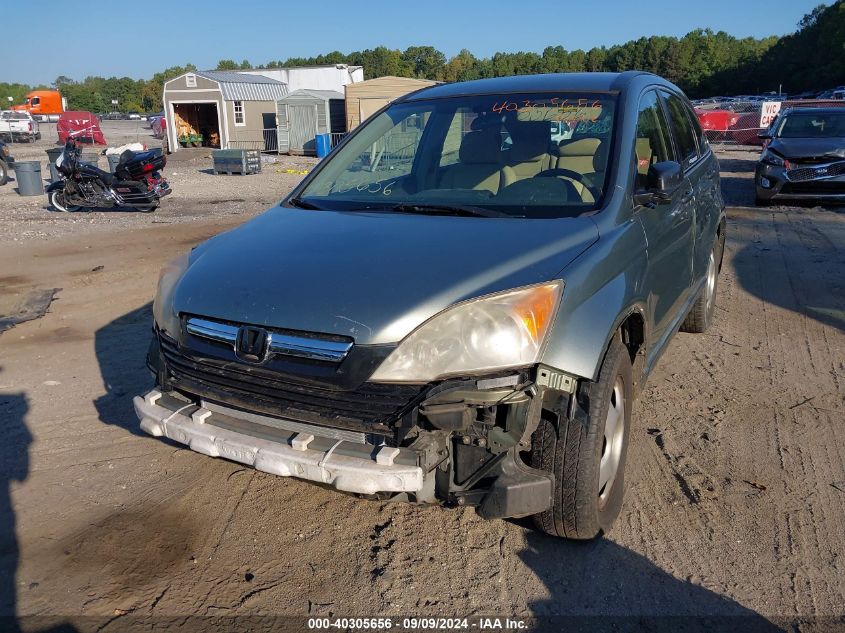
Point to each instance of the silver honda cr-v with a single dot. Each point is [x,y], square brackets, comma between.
[459,305]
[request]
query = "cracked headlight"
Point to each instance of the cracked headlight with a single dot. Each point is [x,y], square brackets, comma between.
[494,332]
[770,158]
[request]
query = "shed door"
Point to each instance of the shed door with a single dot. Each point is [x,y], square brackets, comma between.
[303,128]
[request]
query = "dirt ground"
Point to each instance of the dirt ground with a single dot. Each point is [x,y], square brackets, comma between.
[736,481]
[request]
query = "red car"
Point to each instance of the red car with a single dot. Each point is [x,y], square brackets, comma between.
[159,126]
[716,122]
[727,125]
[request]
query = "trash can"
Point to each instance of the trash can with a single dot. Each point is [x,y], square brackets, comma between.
[28,176]
[90,158]
[52,156]
[114,159]
[324,145]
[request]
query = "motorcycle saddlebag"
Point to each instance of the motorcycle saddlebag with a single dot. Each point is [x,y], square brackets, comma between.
[139,164]
[133,191]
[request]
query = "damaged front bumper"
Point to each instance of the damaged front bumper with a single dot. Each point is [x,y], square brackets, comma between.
[343,464]
[460,442]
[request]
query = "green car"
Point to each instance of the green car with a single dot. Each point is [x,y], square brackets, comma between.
[454,307]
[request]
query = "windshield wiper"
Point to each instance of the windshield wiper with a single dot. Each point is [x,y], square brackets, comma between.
[448,209]
[299,203]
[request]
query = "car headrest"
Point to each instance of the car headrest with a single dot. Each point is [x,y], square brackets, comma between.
[481,147]
[530,140]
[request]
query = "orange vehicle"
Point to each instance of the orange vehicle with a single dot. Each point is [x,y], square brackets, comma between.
[44,104]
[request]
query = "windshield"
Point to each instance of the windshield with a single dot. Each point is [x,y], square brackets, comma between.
[822,125]
[521,155]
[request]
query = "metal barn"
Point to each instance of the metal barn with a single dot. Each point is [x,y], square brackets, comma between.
[303,114]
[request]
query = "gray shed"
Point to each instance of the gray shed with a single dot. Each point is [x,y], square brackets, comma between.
[225,109]
[303,114]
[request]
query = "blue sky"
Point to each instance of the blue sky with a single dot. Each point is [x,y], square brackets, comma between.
[138,38]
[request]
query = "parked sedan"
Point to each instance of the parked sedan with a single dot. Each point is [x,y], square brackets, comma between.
[804,157]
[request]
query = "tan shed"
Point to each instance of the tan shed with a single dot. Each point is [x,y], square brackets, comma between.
[367,97]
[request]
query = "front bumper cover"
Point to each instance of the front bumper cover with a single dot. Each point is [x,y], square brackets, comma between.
[781,187]
[344,465]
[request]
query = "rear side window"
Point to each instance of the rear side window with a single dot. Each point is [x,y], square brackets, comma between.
[683,131]
[653,143]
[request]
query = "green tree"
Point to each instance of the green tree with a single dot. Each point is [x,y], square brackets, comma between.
[425,62]
[227,64]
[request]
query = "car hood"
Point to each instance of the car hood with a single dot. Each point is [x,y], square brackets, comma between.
[821,148]
[372,276]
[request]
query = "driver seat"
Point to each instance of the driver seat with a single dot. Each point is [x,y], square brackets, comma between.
[580,156]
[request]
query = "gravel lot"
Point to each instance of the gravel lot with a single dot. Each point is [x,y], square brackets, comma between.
[737,460]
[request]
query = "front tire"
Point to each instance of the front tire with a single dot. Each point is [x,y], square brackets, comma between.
[57,201]
[587,454]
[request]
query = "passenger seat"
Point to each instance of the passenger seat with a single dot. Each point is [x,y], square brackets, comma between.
[480,165]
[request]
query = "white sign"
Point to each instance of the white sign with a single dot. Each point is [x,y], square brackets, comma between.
[114,101]
[768,113]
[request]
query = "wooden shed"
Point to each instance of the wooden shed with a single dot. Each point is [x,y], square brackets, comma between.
[367,97]
[223,109]
[303,114]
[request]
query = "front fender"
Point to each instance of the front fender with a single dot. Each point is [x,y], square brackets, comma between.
[603,287]
[55,186]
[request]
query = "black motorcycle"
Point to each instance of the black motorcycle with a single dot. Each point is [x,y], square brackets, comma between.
[136,183]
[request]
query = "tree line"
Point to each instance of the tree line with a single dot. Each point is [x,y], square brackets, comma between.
[702,63]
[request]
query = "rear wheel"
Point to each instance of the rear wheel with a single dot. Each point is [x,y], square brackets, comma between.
[587,454]
[701,314]
[4,172]
[57,201]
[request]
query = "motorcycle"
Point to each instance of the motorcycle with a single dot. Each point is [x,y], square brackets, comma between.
[136,183]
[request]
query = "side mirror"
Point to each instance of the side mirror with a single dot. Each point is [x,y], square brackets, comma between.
[662,180]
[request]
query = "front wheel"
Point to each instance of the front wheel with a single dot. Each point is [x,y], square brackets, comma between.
[587,454]
[57,201]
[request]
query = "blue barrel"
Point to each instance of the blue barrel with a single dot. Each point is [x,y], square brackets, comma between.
[324,145]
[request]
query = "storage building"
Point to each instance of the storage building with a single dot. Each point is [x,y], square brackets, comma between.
[367,97]
[325,77]
[303,114]
[222,109]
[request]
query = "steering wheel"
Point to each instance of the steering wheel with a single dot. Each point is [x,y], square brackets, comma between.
[572,175]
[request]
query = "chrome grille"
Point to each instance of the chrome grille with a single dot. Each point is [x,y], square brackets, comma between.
[282,343]
[370,407]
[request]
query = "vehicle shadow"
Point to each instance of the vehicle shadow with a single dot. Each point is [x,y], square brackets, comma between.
[802,280]
[121,350]
[600,586]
